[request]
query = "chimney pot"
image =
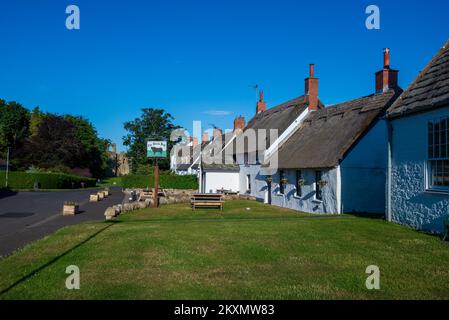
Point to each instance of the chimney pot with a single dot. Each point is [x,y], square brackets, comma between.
[312,70]
[386,58]
[261,105]
[205,137]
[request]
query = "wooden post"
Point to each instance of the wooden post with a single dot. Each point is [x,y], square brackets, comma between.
[156,186]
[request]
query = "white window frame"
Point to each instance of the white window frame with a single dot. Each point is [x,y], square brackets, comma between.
[428,163]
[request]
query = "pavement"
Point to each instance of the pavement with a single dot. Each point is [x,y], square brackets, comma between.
[29,216]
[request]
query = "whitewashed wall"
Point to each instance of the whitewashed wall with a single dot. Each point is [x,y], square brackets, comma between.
[307,202]
[256,186]
[364,173]
[221,180]
[411,204]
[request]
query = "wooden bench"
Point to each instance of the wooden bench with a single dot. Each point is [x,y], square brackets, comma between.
[227,192]
[148,194]
[145,195]
[207,200]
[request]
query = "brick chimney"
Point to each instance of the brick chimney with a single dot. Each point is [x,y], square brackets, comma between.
[217,133]
[205,137]
[312,88]
[261,105]
[239,124]
[194,142]
[386,78]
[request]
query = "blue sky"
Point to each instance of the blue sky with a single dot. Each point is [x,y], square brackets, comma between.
[197,59]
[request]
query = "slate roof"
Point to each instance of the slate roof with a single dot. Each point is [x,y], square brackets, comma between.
[327,134]
[430,90]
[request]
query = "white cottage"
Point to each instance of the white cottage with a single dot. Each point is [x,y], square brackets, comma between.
[418,177]
[244,170]
[218,173]
[285,118]
[336,161]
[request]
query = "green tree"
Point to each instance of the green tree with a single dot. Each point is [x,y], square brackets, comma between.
[95,148]
[35,118]
[54,146]
[153,124]
[14,125]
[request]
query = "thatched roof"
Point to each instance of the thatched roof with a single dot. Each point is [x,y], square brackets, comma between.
[279,117]
[430,90]
[327,134]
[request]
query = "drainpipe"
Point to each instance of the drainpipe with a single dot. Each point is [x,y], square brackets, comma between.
[389,170]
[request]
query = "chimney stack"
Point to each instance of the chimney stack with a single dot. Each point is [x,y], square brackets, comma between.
[205,137]
[261,105]
[312,89]
[239,124]
[386,78]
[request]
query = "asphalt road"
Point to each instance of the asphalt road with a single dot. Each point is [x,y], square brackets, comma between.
[28,216]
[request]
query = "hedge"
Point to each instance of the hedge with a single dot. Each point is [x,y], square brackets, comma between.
[167,181]
[24,180]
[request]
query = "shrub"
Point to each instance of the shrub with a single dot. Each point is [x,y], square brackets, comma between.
[23,180]
[167,181]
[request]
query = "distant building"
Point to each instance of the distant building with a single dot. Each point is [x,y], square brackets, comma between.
[185,157]
[119,163]
[418,177]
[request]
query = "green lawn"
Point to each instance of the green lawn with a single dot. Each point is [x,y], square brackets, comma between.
[261,253]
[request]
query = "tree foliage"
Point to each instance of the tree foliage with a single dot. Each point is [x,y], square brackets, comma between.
[14,126]
[153,124]
[55,144]
[68,144]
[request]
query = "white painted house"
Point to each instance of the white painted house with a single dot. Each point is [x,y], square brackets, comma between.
[285,118]
[336,161]
[218,173]
[418,179]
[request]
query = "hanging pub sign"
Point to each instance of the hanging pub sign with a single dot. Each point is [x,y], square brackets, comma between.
[157,149]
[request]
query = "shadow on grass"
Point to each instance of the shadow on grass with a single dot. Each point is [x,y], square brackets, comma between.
[233,219]
[374,216]
[35,271]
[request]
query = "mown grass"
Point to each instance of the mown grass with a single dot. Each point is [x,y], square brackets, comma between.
[261,253]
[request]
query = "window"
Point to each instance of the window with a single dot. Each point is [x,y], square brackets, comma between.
[299,182]
[318,191]
[438,154]
[281,182]
[248,183]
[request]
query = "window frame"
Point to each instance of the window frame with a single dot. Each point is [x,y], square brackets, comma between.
[281,186]
[318,189]
[437,154]
[299,176]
